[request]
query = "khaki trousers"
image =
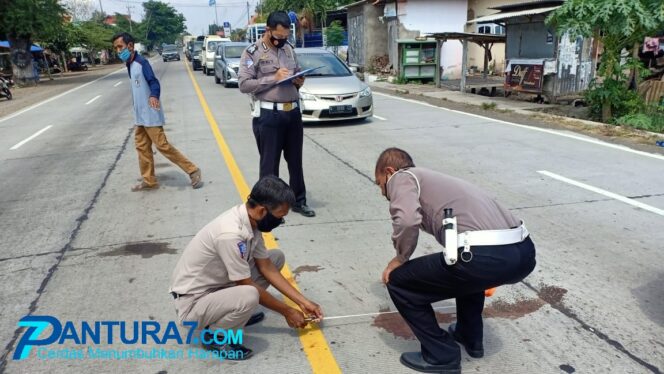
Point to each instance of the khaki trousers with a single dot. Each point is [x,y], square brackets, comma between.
[226,308]
[144,137]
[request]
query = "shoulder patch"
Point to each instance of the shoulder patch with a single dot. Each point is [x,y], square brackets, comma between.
[251,49]
[242,247]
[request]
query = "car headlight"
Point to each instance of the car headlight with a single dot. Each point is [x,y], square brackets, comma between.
[307,96]
[365,92]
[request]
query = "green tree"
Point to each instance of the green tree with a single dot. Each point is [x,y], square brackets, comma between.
[618,25]
[162,24]
[238,35]
[319,7]
[95,37]
[24,21]
[334,35]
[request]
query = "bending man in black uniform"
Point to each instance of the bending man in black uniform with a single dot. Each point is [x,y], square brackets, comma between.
[486,259]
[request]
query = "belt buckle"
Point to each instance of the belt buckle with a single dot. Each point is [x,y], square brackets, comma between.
[288,107]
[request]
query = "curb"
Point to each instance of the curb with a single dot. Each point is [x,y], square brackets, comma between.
[529,113]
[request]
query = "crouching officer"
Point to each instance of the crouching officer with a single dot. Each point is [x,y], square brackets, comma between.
[277,120]
[484,246]
[224,271]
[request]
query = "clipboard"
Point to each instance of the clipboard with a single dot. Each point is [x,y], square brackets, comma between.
[288,79]
[300,74]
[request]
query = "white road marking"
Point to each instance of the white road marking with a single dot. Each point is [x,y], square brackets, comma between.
[606,193]
[553,132]
[31,107]
[380,118]
[93,99]
[18,145]
[117,84]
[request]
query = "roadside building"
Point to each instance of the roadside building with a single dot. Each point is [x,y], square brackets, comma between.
[538,61]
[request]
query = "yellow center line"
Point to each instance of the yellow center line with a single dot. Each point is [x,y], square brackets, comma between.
[313,341]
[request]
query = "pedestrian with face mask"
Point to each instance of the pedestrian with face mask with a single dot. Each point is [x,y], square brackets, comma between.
[484,246]
[224,271]
[149,117]
[277,120]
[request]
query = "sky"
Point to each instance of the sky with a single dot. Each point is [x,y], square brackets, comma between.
[197,12]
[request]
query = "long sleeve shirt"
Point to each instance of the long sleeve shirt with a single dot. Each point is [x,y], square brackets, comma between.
[144,85]
[258,66]
[473,208]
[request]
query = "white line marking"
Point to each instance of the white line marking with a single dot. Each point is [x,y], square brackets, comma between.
[380,118]
[606,193]
[553,132]
[17,146]
[93,99]
[117,84]
[31,107]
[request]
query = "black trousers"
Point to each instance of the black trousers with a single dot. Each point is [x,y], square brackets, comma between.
[417,283]
[276,131]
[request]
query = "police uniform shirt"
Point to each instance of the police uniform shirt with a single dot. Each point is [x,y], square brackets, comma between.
[259,64]
[221,253]
[474,208]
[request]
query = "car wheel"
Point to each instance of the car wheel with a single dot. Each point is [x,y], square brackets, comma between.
[209,72]
[204,70]
[164,60]
[225,82]
[216,79]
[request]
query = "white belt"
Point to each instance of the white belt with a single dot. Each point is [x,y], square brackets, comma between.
[286,107]
[493,237]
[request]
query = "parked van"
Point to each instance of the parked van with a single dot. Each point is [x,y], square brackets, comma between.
[209,50]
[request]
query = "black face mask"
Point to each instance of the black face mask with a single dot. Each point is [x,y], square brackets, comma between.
[268,223]
[279,43]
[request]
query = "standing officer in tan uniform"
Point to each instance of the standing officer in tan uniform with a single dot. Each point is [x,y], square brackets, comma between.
[488,247]
[277,121]
[224,271]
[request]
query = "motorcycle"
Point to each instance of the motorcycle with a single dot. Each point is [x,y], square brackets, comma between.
[4,88]
[75,66]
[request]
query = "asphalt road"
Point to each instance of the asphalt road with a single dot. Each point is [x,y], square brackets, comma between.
[78,245]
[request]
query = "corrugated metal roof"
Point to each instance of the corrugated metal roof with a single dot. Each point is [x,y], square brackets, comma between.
[506,15]
[527,5]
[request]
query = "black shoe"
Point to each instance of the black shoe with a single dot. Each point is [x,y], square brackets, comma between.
[475,350]
[415,361]
[239,352]
[255,318]
[304,210]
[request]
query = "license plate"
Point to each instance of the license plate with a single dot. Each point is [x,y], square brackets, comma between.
[341,109]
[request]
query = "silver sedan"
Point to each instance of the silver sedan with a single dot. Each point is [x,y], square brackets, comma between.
[332,92]
[227,62]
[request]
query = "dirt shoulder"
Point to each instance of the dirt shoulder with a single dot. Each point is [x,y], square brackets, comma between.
[26,96]
[632,138]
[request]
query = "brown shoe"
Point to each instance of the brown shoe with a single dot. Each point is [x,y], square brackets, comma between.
[144,187]
[196,179]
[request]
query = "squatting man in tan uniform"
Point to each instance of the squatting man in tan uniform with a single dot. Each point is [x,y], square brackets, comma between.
[224,271]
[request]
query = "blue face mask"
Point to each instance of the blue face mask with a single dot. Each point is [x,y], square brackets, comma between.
[124,55]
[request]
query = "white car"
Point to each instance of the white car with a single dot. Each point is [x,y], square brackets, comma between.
[332,92]
[209,51]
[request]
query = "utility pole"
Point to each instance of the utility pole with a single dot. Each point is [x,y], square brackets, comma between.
[216,17]
[129,8]
[101,7]
[248,15]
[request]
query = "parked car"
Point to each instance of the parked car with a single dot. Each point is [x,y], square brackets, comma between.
[332,92]
[227,62]
[209,51]
[189,49]
[196,53]
[170,52]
